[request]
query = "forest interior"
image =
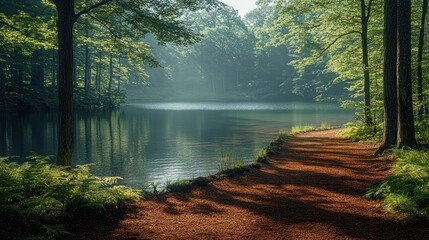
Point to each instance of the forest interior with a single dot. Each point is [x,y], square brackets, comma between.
[150,119]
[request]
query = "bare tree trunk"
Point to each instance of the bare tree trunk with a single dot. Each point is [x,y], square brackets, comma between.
[365,12]
[389,77]
[420,57]
[54,69]
[20,78]
[87,65]
[406,132]
[74,66]
[119,77]
[66,18]
[110,73]
[2,83]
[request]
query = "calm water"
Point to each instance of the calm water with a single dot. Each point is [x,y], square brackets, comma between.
[157,142]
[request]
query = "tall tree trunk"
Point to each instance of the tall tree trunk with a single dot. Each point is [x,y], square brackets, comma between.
[389,76]
[406,134]
[365,13]
[110,73]
[119,77]
[20,78]
[54,69]
[87,65]
[420,57]
[98,78]
[66,18]
[2,83]
[74,68]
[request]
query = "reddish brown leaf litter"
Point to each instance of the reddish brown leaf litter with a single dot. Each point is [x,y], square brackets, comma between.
[313,189]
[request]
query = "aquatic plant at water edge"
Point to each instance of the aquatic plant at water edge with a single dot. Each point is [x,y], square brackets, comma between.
[283,135]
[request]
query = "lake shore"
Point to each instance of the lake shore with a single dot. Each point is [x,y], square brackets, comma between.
[313,189]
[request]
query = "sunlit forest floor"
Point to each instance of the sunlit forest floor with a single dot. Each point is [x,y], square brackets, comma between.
[313,189]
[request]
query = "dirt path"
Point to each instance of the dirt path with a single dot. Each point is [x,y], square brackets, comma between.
[312,190]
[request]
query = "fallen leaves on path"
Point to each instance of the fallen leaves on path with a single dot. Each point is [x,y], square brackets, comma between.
[313,189]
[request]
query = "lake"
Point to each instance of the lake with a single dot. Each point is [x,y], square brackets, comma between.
[159,142]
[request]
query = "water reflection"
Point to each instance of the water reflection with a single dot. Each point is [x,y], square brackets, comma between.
[158,142]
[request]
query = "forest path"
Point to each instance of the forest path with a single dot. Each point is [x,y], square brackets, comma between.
[313,189]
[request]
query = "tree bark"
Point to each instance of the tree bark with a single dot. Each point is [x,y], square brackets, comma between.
[119,75]
[110,73]
[420,57]
[74,66]
[389,77]
[406,132]
[20,78]
[66,19]
[87,65]
[2,83]
[54,69]
[365,12]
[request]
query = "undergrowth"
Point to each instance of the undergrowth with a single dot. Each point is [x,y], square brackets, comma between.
[405,191]
[37,194]
[303,128]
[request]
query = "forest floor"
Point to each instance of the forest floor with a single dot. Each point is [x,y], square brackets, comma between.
[313,189]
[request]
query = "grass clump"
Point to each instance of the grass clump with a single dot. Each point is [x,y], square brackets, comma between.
[178,186]
[304,128]
[406,191]
[229,161]
[283,135]
[37,194]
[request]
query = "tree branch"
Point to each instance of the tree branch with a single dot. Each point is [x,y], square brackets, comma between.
[104,25]
[87,10]
[336,39]
[369,11]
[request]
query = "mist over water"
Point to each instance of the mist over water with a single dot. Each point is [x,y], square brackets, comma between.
[157,142]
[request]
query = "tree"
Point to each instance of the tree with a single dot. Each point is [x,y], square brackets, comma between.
[365,14]
[420,58]
[389,76]
[406,132]
[158,17]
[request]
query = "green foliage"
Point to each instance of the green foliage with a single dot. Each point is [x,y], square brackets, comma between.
[283,135]
[406,190]
[303,128]
[36,193]
[359,131]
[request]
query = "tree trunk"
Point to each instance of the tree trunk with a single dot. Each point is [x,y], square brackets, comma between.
[20,78]
[389,76]
[2,83]
[54,69]
[66,18]
[87,65]
[110,73]
[364,38]
[74,68]
[119,77]
[420,57]
[406,134]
